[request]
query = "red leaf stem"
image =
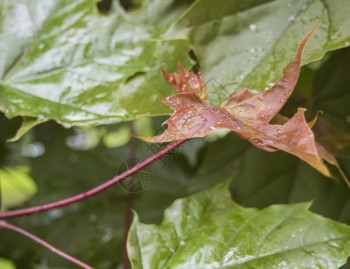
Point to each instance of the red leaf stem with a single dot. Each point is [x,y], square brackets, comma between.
[94,191]
[64,255]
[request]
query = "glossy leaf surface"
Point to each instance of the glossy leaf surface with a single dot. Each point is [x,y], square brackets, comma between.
[248,43]
[208,230]
[63,60]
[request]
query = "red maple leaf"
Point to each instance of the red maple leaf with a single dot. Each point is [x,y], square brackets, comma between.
[247,113]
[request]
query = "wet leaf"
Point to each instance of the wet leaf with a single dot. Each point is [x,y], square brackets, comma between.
[247,113]
[208,230]
[62,60]
[247,43]
[27,124]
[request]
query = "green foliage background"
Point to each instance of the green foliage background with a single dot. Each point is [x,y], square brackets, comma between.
[67,64]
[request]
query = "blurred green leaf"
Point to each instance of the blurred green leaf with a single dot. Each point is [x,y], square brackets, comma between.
[208,230]
[17,186]
[6,264]
[331,89]
[117,138]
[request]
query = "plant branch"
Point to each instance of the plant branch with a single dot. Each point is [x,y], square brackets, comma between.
[94,191]
[64,255]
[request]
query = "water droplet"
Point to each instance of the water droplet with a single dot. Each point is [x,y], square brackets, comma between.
[335,36]
[291,18]
[81,140]
[252,50]
[41,46]
[182,243]
[55,213]
[73,207]
[92,218]
[333,244]
[40,117]
[252,27]
[33,150]
[304,7]
[108,234]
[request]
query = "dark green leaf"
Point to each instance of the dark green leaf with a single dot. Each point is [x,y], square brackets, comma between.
[331,89]
[247,43]
[208,230]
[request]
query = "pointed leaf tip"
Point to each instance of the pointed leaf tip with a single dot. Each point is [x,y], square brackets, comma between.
[186,82]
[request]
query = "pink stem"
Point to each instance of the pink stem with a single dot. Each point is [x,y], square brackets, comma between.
[64,255]
[92,192]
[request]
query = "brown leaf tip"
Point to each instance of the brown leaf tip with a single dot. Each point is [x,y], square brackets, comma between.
[186,82]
